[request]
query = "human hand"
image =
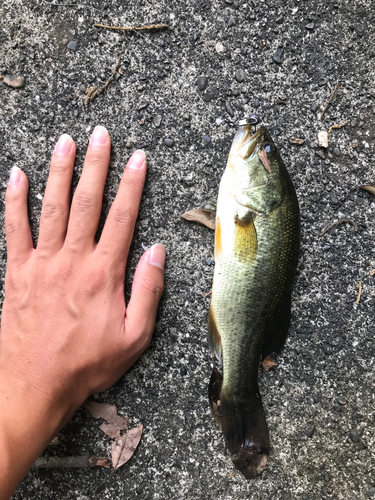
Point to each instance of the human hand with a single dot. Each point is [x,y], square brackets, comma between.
[65,330]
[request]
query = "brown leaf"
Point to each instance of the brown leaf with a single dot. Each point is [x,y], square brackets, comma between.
[17,82]
[112,430]
[205,217]
[268,363]
[297,140]
[370,189]
[115,423]
[124,447]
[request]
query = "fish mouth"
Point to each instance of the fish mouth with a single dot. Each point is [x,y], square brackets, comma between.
[249,143]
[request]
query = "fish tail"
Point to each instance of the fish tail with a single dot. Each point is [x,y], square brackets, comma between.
[246,434]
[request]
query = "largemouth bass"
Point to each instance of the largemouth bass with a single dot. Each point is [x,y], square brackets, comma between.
[256,247]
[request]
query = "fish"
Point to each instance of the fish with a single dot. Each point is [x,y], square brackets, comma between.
[257,231]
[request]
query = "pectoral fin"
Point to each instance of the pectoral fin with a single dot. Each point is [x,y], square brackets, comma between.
[214,337]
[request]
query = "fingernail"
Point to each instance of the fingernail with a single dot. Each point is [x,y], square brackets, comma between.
[138,159]
[64,145]
[15,176]
[157,255]
[99,137]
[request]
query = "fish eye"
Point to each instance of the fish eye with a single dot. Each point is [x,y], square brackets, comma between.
[269,148]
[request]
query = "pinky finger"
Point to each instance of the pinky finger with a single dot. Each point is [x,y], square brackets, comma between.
[17,228]
[147,290]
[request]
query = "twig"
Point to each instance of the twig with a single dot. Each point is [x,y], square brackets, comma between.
[359,293]
[209,293]
[336,126]
[133,28]
[341,221]
[70,462]
[77,5]
[94,91]
[330,100]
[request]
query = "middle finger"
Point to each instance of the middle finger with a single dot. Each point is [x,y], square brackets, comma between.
[88,197]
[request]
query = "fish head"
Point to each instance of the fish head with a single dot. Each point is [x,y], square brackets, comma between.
[255,170]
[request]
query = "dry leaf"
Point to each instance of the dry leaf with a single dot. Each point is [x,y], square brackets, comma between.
[323,139]
[268,363]
[205,217]
[17,82]
[115,423]
[296,140]
[370,189]
[55,441]
[124,447]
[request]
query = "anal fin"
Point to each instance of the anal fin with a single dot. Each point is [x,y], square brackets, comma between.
[214,395]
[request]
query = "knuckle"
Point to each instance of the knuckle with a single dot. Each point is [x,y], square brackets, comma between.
[51,210]
[84,201]
[94,160]
[123,217]
[97,280]
[12,197]
[12,227]
[60,166]
[152,286]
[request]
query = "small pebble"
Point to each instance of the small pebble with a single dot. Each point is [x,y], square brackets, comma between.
[256,103]
[370,492]
[314,107]
[354,436]
[309,431]
[157,120]
[143,105]
[183,371]
[229,109]
[211,94]
[310,26]
[142,121]
[187,116]
[202,82]
[327,477]
[161,43]
[341,400]
[73,45]
[239,75]
[207,139]
[235,92]
[231,22]
[169,142]
[128,145]
[219,47]
[195,37]
[321,154]
[14,45]
[359,29]
[337,152]
[203,445]
[208,262]
[278,56]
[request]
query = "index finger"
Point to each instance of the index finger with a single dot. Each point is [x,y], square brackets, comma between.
[118,230]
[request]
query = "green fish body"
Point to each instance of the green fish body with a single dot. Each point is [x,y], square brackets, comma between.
[256,248]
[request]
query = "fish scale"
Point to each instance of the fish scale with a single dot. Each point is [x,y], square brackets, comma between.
[256,248]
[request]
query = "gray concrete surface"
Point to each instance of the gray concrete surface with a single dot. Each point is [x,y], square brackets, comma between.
[330,350]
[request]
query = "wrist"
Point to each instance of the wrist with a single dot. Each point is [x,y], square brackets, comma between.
[30,417]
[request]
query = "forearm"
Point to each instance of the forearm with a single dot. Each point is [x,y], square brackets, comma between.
[29,419]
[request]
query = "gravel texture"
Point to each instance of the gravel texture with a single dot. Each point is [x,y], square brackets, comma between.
[282,58]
